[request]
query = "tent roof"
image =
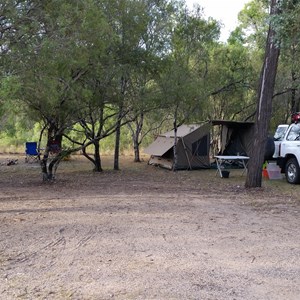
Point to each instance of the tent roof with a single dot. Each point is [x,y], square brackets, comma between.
[165,142]
[160,146]
[182,131]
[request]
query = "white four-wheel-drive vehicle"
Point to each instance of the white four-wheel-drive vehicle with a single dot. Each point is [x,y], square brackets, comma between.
[289,153]
[278,137]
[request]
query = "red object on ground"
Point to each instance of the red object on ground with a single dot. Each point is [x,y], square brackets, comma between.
[265,173]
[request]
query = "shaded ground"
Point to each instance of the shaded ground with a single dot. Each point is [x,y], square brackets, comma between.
[145,233]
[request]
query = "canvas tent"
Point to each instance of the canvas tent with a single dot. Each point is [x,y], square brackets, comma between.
[236,137]
[192,147]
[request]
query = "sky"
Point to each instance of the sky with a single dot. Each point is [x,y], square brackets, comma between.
[225,11]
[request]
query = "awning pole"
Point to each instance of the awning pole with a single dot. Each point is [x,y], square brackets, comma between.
[185,151]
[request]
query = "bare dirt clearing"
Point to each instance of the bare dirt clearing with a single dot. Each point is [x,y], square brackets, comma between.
[146,233]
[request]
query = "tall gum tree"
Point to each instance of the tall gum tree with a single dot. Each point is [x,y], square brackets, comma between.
[264,105]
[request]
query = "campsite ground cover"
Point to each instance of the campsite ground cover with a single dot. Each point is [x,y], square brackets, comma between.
[145,233]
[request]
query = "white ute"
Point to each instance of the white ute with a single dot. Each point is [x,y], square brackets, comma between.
[278,137]
[289,154]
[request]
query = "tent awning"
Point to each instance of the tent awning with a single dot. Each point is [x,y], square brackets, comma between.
[160,146]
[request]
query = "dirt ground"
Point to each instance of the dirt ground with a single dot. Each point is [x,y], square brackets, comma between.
[145,233]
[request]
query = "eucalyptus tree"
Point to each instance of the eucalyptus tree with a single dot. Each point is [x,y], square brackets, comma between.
[184,78]
[252,33]
[145,96]
[264,104]
[127,24]
[288,82]
[231,82]
[140,39]
[99,116]
[11,31]
[253,20]
[50,59]
[146,115]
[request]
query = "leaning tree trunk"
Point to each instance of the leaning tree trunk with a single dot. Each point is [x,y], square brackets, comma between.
[96,159]
[264,108]
[50,162]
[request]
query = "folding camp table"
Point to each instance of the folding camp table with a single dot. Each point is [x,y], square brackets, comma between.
[221,159]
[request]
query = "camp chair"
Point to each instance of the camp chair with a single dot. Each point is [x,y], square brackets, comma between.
[31,151]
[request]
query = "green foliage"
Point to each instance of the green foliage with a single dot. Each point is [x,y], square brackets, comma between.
[232,80]
[254,23]
[17,132]
[80,62]
[287,24]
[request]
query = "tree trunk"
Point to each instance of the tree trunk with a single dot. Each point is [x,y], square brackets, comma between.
[294,100]
[175,162]
[264,108]
[118,125]
[136,147]
[117,141]
[49,163]
[135,134]
[53,165]
[96,160]
[117,147]
[97,157]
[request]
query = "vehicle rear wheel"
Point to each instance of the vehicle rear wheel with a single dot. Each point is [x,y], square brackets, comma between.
[292,171]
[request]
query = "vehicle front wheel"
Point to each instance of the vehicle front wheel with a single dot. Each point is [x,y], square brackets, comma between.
[292,171]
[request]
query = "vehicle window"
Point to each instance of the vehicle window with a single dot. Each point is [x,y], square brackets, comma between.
[294,134]
[279,134]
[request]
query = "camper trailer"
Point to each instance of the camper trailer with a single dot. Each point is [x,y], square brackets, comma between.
[192,144]
[192,147]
